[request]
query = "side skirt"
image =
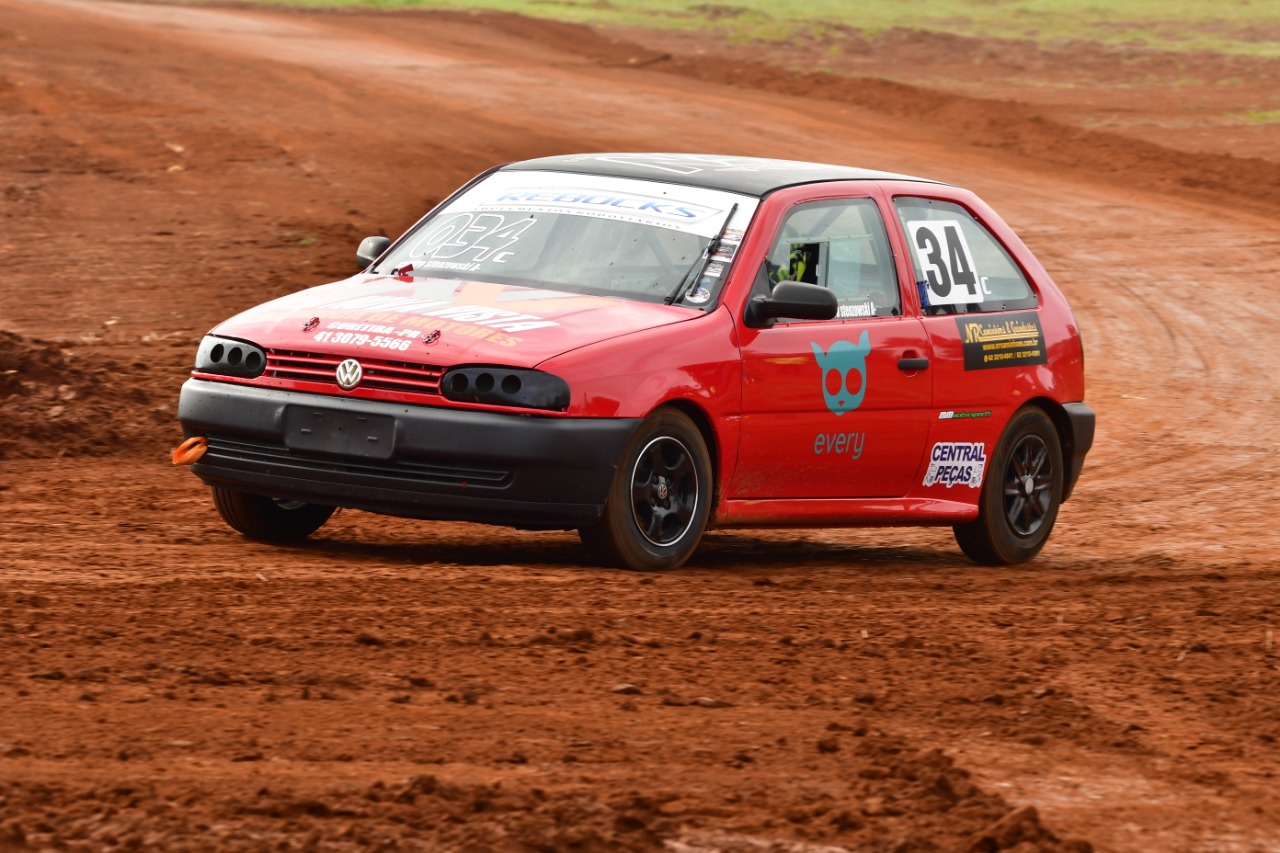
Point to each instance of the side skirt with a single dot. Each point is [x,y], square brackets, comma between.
[835,512]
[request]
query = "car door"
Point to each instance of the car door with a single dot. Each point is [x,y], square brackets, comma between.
[835,408]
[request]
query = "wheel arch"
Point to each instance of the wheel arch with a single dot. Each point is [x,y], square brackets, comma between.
[675,484]
[702,421]
[1074,444]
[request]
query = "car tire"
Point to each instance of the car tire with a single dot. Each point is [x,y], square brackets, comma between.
[269,519]
[660,498]
[1020,498]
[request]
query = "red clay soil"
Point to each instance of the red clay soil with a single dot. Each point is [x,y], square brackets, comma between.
[166,684]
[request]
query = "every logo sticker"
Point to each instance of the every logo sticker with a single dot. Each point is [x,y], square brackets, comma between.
[956,463]
[837,363]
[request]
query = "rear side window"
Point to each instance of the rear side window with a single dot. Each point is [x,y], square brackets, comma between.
[960,267]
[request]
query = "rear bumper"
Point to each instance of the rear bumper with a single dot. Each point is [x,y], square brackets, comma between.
[415,461]
[1083,421]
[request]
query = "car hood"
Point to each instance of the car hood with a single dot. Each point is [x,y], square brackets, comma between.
[444,321]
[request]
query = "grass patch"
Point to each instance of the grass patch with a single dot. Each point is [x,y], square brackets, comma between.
[1263,116]
[1244,27]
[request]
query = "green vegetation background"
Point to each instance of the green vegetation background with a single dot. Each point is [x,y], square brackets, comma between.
[1246,27]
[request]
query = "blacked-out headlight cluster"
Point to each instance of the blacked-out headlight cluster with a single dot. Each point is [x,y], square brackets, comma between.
[229,357]
[506,386]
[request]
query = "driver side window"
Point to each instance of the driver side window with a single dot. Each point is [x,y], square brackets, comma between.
[840,244]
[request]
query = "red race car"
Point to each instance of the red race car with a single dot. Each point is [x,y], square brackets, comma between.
[643,346]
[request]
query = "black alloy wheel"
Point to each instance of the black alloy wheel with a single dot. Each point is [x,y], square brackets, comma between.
[660,499]
[1028,486]
[1021,493]
[664,491]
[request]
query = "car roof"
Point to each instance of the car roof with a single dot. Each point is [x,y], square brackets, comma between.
[748,175]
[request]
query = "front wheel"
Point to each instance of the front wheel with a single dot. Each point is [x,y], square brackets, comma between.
[269,519]
[660,498]
[1020,498]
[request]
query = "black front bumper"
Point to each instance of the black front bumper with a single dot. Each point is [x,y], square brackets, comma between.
[414,461]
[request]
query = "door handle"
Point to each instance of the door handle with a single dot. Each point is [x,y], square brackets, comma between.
[912,364]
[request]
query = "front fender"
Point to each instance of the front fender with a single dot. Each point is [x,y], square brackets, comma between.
[696,364]
[631,375]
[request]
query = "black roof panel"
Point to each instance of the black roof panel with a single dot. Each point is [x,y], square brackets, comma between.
[747,175]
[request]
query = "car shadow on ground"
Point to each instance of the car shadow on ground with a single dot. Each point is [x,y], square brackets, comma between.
[804,550]
[719,552]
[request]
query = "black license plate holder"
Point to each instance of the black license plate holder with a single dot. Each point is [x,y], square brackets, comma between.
[339,433]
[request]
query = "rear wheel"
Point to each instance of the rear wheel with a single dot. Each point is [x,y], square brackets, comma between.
[1020,498]
[269,519]
[660,498]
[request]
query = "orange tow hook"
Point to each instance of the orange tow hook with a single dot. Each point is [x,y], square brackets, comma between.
[190,450]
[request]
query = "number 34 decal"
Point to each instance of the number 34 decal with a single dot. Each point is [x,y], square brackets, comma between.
[944,257]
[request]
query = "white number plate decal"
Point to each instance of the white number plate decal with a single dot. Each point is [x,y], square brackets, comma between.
[944,257]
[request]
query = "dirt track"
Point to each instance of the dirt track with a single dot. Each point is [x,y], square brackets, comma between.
[165,684]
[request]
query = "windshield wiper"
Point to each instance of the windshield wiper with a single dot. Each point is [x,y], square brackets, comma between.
[695,272]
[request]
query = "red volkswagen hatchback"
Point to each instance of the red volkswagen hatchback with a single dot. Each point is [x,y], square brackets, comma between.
[643,346]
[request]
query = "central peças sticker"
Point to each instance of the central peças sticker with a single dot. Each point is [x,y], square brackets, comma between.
[1001,340]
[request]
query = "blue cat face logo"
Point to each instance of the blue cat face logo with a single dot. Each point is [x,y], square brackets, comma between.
[839,360]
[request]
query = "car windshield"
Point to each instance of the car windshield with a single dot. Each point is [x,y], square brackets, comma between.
[642,240]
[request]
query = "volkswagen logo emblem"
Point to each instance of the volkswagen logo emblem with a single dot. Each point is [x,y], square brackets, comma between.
[349,374]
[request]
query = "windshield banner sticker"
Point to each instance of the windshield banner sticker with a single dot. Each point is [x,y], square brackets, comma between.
[692,210]
[1001,340]
[956,463]
[624,206]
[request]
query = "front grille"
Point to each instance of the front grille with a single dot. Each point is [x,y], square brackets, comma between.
[277,458]
[400,376]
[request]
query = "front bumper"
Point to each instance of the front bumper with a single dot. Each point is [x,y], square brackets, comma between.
[415,461]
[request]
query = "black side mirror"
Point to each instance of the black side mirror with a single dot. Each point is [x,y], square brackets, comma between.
[793,300]
[371,248]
